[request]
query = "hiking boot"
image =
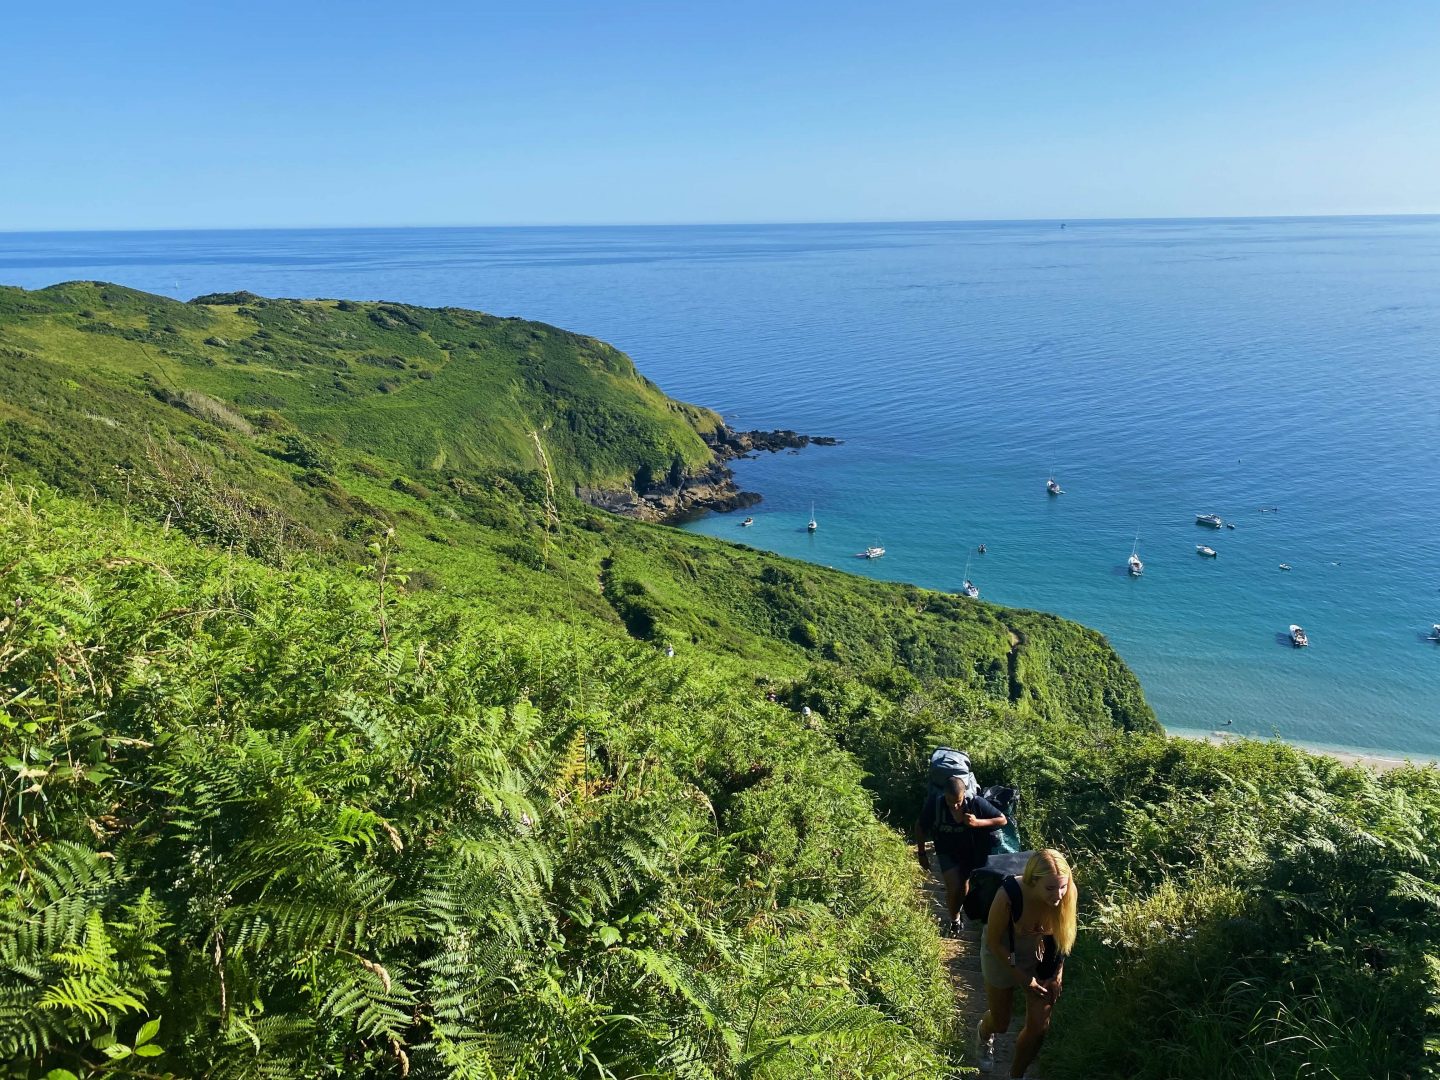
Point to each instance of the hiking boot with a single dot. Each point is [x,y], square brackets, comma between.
[952,926]
[984,1048]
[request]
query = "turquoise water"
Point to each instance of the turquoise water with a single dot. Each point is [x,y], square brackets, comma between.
[1159,369]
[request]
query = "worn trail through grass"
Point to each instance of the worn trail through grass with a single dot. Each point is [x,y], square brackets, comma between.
[962,966]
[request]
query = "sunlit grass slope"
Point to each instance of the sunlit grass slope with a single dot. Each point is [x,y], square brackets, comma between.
[339,740]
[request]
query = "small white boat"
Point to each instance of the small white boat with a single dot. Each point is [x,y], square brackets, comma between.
[1284,566]
[813,525]
[747,521]
[1435,632]
[1298,637]
[1136,566]
[970,589]
[1208,552]
[873,552]
[1053,488]
[1215,521]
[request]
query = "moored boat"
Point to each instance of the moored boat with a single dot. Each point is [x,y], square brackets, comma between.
[747,521]
[1435,632]
[813,525]
[1214,521]
[1284,566]
[1208,552]
[1053,488]
[971,590]
[1136,566]
[875,551]
[1298,637]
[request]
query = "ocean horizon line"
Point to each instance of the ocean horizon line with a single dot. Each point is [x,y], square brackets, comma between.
[736,224]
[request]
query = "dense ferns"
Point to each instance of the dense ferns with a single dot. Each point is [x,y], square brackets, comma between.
[476,851]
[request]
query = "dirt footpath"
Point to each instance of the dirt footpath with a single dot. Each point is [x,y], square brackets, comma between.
[962,962]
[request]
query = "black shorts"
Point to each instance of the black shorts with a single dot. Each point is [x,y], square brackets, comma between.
[964,863]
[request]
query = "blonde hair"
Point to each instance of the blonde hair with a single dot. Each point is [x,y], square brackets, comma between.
[1045,864]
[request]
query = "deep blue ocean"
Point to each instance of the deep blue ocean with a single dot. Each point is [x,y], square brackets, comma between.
[1158,369]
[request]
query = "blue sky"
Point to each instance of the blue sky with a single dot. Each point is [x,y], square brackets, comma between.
[169,115]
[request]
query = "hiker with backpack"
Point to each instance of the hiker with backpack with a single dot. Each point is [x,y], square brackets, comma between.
[960,822]
[1029,930]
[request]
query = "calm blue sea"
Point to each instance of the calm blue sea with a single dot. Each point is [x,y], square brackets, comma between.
[1158,369]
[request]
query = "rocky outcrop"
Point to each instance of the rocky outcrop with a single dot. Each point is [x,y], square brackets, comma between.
[712,488]
[729,444]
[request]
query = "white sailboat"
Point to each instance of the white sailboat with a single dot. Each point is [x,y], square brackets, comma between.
[970,589]
[813,523]
[1136,566]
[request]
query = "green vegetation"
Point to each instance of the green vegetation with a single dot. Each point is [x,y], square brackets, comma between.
[338,741]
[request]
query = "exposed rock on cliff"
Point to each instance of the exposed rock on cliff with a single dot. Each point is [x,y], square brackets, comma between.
[713,488]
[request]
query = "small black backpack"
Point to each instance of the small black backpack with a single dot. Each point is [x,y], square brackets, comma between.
[985,881]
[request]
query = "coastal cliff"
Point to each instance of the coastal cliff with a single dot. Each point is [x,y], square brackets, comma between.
[342,740]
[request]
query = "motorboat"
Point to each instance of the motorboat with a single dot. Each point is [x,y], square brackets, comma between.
[1053,488]
[747,521]
[1284,566]
[1214,521]
[873,552]
[1298,637]
[1208,552]
[970,589]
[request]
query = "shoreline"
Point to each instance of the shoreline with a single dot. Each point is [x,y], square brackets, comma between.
[1375,761]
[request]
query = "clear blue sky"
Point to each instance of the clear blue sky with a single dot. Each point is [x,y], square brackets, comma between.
[155,115]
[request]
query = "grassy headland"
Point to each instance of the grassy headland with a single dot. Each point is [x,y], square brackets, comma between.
[339,741]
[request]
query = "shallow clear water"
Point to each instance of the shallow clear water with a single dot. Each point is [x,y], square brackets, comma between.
[1158,369]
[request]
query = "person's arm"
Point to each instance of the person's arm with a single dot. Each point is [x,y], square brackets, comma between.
[994,819]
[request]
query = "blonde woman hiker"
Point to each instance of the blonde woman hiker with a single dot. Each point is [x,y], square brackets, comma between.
[1029,932]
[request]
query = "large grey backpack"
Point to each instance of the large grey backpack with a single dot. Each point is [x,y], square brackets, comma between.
[945,763]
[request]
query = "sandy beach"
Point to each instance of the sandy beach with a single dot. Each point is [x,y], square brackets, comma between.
[1376,762]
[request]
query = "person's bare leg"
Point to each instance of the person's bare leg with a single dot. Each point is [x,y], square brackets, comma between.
[1027,1043]
[997,1017]
[954,891]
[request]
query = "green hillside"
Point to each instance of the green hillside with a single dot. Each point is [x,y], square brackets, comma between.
[339,741]
[425,389]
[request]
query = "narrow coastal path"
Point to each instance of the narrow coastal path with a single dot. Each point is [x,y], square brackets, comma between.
[962,964]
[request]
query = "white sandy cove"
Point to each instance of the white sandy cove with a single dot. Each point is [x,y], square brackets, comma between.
[1375,762]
